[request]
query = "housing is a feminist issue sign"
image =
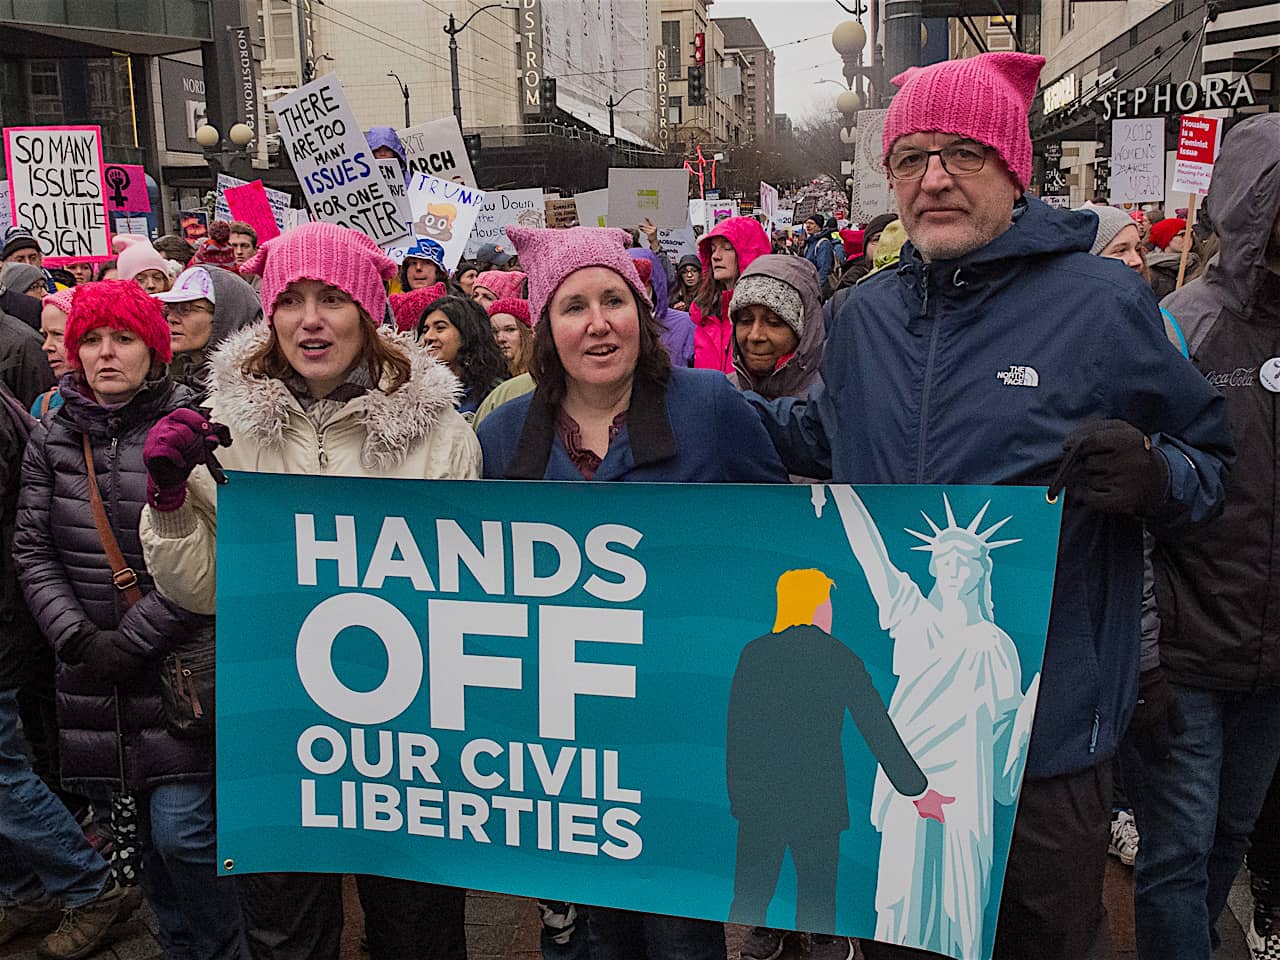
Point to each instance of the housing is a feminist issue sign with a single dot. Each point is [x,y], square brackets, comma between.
[620,694]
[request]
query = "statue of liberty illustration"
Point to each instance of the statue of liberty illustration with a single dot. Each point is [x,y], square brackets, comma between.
[962,713]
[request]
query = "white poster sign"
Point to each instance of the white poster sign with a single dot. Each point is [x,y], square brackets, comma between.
[677,242]
[871,193]
[503,208]
[6,218]
[393,180]
[1137,160]
[136,225]
[718,210]
[593,208]
[55,184]
[278,199]
[444,212]
[436,149]
[638,194]
[333,161]
[768,200]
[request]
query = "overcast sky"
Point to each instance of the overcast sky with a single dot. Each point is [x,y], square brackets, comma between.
[798,66]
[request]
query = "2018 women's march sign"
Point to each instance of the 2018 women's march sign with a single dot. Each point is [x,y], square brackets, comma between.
[635,695]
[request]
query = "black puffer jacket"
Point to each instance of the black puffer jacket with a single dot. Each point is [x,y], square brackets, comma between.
[105,729]
[25,659]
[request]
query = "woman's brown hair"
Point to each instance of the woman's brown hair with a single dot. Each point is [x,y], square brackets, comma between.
[653,362]
[524,352]
[382,360]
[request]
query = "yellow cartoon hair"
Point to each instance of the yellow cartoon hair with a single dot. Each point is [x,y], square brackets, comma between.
[800,593]
[442,210]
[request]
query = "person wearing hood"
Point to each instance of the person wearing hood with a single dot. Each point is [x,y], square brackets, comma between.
[23,366]
[138,260]
[778,334]
[24,278]
[1168,237]
[319,387]
[492,285]
[1198,798]
[882,240]
[999,351]
[205,306]
[677,328]
[861,260]
[387,145]
[817,248]
[685,287]
[725,251]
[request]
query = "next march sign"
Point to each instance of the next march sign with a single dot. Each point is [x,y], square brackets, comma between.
[561,690]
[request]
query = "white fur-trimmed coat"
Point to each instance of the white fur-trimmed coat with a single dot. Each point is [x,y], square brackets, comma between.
[414,433]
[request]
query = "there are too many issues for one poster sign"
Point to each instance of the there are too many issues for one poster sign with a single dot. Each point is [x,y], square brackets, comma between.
[55,182]
[500,773]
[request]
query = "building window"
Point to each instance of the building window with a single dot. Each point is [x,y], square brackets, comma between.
[1068,16]
[671,40]
[675,113]
[284,30]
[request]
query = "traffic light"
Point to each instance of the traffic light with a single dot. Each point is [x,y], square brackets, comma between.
[472,142]
[697,86]
[548,96]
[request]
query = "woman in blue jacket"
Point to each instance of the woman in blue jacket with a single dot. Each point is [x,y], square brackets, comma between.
[610,406]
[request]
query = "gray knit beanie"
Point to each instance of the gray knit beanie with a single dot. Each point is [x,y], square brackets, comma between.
[1111,220]
[780,297]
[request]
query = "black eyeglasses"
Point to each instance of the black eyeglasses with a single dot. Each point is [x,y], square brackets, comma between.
[962,159]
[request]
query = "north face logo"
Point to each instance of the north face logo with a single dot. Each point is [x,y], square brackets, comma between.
[1019,376]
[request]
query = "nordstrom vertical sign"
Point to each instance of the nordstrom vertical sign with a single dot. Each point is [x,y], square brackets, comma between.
[531,54]
[246,86]
[664,127]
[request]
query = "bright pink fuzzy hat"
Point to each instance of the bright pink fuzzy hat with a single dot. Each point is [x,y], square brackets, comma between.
[551,255]
[408,307]
[136,254]
[986,98]
[513,306]
[62,299]
[504,283]
[120,305]
[338,256]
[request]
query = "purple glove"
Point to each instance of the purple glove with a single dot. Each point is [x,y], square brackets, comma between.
[177,444]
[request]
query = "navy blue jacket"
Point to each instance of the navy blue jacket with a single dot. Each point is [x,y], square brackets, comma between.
[698,429]
[974,371]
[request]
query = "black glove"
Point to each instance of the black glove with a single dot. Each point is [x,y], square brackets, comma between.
[112,658]
[1157,719]
[1109,465]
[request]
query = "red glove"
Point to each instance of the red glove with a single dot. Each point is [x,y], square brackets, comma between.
[177,444]
[930,806]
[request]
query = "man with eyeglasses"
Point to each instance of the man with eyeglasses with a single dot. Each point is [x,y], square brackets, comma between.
[1000,352]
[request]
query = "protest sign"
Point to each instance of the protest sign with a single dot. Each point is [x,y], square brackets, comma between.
[136,225]
[333,161]
[249,204]
[871,194]
[393,180]
[443,212]
[193,224]
[55,190]
[562,212]
[503,208]
[677,242]
[6,215]
[640,194]
[698,213]
[126,188]
[768,200]
[436,149]
[562,709]
[782,220]
[593,207]
[718,210]
[278,199]
[803,208]
[1198,142]
[1137,160]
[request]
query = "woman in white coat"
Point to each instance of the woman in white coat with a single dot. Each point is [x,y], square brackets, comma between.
[319,387]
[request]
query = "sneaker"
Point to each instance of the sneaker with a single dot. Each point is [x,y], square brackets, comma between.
[764,943]
[83,929]
[36,917]
[1264,941]
[824,947]
[1124,838]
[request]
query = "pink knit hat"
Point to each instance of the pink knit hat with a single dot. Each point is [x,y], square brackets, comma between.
[120,305]
[338,256]
[512,306]
[986,98]
[62,299]
[408,307]
[505,283]
[136,254]
[550,255]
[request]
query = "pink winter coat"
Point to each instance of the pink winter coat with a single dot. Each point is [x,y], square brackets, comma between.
[713,335]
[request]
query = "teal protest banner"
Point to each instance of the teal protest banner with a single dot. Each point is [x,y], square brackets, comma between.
[635,695]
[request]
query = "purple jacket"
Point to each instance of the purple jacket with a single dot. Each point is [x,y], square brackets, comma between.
[677,328]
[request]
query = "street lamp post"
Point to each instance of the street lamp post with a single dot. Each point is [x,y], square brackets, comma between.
[611,103]
[404,91]
[452,29]
[222,157]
